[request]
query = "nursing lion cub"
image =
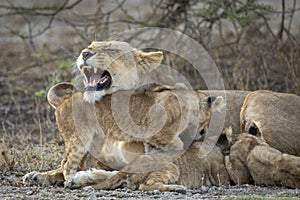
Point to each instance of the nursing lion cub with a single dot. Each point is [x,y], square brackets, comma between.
[95,139]
[251,159]
[267,152]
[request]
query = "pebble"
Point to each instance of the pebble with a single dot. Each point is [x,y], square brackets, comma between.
[30,192]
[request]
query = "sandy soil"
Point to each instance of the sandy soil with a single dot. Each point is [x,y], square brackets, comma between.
[11,187]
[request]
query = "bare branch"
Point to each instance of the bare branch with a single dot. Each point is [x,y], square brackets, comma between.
[280,32]
[38,11]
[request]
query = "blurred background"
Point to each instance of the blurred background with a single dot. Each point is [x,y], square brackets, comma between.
[255,44]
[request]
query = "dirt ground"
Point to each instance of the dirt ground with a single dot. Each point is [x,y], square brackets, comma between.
[235,192]
[21,154]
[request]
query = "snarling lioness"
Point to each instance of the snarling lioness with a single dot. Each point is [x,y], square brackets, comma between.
[111,66]
[160,122]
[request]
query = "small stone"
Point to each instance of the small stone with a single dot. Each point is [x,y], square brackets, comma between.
[156,192]
[88,188]
[203,188]
[29,192]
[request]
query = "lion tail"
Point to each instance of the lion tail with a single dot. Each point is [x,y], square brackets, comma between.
[57,92]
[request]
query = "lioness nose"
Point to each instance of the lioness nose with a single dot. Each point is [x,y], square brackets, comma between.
[86,55]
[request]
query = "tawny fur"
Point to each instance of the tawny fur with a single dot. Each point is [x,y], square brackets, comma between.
[200,165]
[251,159]
[80,124]
[228,117]
[272,116]
[127,67]
[82,133]
[276,117]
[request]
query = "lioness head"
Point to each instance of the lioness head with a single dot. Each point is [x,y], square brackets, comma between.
[111,66]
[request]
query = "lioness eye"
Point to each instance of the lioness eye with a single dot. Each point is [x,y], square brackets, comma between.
[113,52]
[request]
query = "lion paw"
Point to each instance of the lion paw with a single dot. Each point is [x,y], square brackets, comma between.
[35,178]
[163,187]
[79,180]
[89,177]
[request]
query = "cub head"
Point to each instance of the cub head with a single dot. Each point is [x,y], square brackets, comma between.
[111,66]
[209,105]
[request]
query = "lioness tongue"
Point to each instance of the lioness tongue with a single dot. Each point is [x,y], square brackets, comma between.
[94,79]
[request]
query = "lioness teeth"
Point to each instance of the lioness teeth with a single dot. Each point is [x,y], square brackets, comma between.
[104,80]
[85,82]
[95,70]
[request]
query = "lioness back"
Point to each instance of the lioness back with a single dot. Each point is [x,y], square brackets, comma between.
[275,116]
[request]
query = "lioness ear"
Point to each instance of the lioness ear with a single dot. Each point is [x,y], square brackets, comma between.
[216,103]
[148,60]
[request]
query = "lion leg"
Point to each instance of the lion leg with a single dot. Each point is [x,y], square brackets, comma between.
[138,175]
[118,180]
[74,155]
[53,177]
[154,172]
[163,180]
[235,163]
[90,177]
[269,166]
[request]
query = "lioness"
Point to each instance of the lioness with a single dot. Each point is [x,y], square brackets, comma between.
[275,116]
[82,135]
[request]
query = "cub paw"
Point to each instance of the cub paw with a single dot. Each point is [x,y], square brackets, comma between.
[163,188]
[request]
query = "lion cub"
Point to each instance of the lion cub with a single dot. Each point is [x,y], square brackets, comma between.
[94,138]
[251,159]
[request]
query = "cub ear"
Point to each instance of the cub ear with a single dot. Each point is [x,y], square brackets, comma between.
[215,103]
[148,60]
[56,93]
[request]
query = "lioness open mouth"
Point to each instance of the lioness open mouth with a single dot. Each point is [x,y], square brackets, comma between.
[95,79]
